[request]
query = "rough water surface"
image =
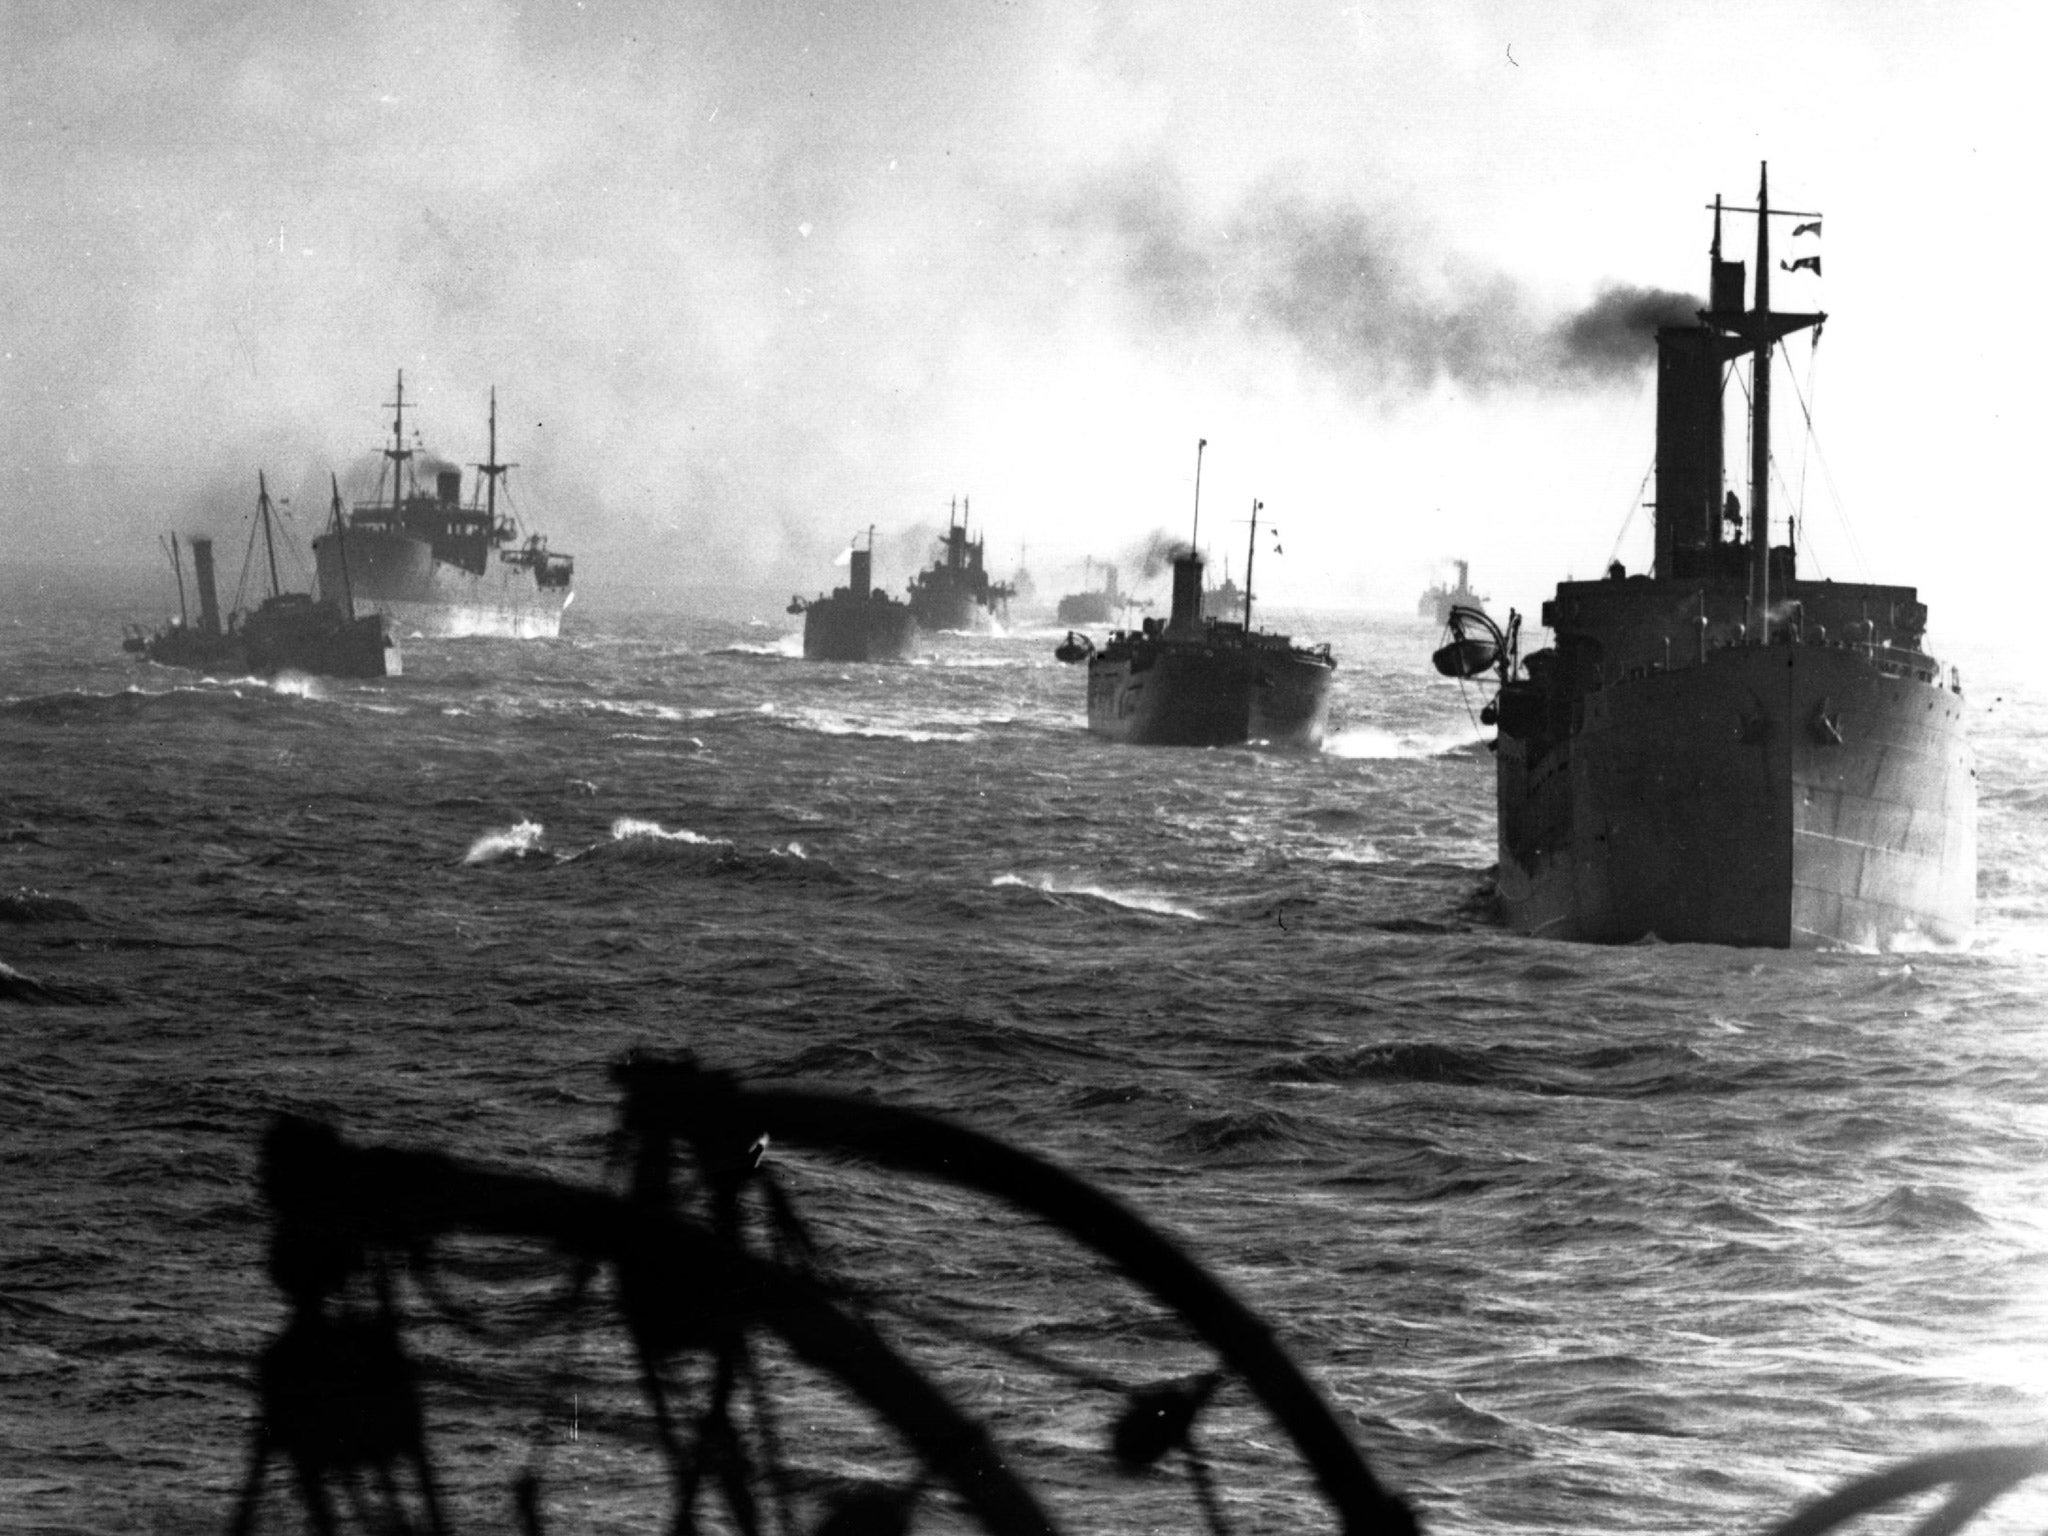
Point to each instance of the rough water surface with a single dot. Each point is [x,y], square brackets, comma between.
[1576,1239]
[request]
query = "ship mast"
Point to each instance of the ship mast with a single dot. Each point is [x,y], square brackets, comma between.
[1760,414]
[178,567]
[269,546]
[1251,548]
[1757,331]
[1195,534]
[398,453]
[490,471]
[348,591]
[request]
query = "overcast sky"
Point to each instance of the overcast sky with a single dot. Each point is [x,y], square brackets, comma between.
[750,276]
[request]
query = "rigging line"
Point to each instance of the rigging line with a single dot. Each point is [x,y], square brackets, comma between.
[1806,410]
[1644,405]
[1635,505]
[248,555]
[1834,491]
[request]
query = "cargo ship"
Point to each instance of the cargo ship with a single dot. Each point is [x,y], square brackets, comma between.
[1197,681]
[1725,751]
[285,632]
[859,621]
[954,592]
[436,566]
[1437,602]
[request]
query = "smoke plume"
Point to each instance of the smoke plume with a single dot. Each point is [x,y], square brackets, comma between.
[1153,554]
[1356,295]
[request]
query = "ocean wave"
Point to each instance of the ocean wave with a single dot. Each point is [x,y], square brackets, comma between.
[636,840]
[628,828]
[789,647]
[18,988]
[1133,901]
[1368,853]
[639,709]
[82,708]
[1417,1062]
[1910,1208]
[1263,1131]
[839,725]
[26,905]
[513,844]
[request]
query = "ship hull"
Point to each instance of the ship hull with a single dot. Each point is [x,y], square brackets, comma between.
[1788,796]
[300,636]
[847,629]
[1084,608]
[1171,694]
[196,650]
[398,577]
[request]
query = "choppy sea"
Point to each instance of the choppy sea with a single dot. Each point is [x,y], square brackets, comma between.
[1574,1238]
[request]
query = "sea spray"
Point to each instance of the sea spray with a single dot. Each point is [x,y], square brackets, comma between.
[522,840]
[1365,742]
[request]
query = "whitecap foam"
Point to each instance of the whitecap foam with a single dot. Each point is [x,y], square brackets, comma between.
[635,709]
[833,725]
[1135,901]
[298,685]
[516,842]
[788,647]
[1367,854]
[628,828]
[1370,742]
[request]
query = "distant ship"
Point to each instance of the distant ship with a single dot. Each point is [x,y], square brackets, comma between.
[1023,589]
[438,567]
[1439,600]
[955,592]
[286,632]
[1099,605]
[857,622]
[1226,601]
[1726,752]
[1196,681]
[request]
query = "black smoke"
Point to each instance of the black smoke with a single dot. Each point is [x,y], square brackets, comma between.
[1360,296]
[1153,554]
[1617,332]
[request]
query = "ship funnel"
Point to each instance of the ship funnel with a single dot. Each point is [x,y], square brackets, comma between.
[1689,467]
[861,578]
[448,484]
[1187,591]
[202,572]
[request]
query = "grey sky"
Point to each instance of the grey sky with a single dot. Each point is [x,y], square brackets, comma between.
[750,276]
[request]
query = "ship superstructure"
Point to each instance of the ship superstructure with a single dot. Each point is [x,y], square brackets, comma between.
[859,621]
[1437,602]
[955,592]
